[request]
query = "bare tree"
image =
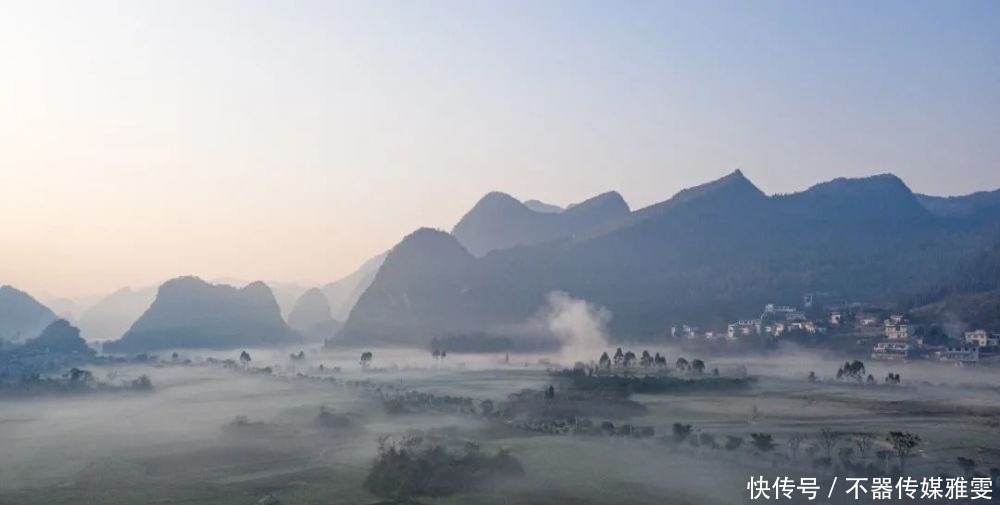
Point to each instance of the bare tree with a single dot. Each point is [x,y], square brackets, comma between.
[794,442]
[864,442]
[903,443]
[828,440]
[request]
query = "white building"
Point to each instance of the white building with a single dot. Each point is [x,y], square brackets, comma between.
[744,327]
[893,351]
[776,309]
[961,354]
[980,338]
[897,329]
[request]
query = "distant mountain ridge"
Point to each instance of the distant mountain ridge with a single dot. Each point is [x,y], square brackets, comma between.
[979,206]
[111,316]
[344,293]
[311,316]
[21,316]
[59,337]
[500,221]
[191,313]
[708,255]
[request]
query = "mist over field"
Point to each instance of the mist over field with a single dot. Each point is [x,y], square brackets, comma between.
[442,252]
[212,433]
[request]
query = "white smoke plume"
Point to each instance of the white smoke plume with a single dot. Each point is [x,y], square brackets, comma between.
[580,326]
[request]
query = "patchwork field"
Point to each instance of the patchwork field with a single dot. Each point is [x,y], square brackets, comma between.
[211,435]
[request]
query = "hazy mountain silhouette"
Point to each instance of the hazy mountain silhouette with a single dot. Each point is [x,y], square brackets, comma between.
[969,209]
[71,308]
[540,206]
[500,221]
[113,315]
[21,316]
[344,293]
[58,337]
[311,316]
[191,313]
[415,293]
[708,255]
[285,293]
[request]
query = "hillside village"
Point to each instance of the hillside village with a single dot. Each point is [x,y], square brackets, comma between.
[887,335]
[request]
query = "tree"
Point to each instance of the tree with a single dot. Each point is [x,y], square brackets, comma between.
[681,431]
[812,376]
[366,359]
[903,443]
[487,408]
[828,440]
[682,364]
[245,358]
[845,455]
[646,360]
[794,442]
[142,383]
[629,359]
[967,464]
[436,354]
[550,393]
[883,456]
[605,361]
[864,442]
[619,357]
[763,442]
[697,366]
[733,442]
[79,376]
[852,370]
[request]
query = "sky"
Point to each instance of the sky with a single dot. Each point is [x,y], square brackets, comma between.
[142,140]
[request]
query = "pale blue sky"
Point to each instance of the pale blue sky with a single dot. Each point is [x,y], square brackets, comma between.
[292,140]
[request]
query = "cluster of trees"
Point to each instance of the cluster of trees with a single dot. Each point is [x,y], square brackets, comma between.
[846,445]
[969,465]
[695,366]
[628,359]
[439,354]
[855,370]
[827,445]
[412,468]
[852,370]
[74,381]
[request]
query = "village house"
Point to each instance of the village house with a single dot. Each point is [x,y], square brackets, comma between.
[960,354]
[981,338]
[774,329]
[896,328]
[894,351]
[778,309]
[836,318]
[744,327]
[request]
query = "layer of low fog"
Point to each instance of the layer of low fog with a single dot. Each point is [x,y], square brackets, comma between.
[188,419]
